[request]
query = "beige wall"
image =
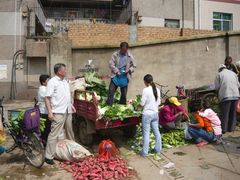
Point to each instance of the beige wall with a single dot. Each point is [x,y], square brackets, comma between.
[208,7]
[198,14]
[172,63]
[154,12]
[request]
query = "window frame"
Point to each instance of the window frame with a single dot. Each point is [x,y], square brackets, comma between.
[176,20]
[222,20]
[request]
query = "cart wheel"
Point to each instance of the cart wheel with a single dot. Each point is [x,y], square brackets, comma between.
[84,138]
[212,98]
[130,132]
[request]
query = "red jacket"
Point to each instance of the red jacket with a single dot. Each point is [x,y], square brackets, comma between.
[167,113]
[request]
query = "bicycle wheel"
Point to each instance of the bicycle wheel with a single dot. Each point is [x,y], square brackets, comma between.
[11,141]
[33,150]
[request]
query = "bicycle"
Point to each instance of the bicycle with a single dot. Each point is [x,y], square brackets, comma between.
[164,95]
[27,139]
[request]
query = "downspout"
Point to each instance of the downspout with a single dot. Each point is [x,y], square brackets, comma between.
[183,14]
[199,14]
[194,14]
[182,29]
[49,58]
[15,27]
[227,44]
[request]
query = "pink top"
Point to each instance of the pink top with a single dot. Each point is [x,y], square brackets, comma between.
[215,121]
[167,113]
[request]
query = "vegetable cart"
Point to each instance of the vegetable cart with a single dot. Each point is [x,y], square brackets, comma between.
[198,95]
[87,121]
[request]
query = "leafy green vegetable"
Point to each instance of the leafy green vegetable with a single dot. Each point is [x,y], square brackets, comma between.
[42,124]
[92,79]
[17,118]
[118,111]
[170,139]
[106,112]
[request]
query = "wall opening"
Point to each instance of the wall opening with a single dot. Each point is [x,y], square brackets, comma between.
[36,67]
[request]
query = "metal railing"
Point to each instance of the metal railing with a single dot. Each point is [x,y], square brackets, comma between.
[126,14]
[81,13]
[38,10]
[60,18]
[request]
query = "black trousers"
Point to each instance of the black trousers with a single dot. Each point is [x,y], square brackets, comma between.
[45,133]
[111,92]
[228,115]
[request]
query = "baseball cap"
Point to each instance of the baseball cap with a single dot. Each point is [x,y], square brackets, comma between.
[174,101]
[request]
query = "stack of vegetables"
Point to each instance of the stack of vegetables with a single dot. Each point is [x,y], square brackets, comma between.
[98,169]
[16,118]
[117,111]
[174,138]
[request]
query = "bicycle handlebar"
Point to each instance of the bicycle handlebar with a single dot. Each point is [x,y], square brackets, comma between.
[160,85]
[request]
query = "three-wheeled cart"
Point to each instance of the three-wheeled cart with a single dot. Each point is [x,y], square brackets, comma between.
[86,121]
[198,95]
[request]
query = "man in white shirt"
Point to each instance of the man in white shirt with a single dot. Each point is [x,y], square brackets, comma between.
[60,108]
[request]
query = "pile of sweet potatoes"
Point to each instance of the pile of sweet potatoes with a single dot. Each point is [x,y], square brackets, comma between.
[95,168]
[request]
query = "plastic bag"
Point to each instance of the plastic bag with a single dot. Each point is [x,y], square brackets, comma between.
[107,149]
[69,150]
[78,84]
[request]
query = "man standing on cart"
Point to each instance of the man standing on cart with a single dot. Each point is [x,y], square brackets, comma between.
[122,66]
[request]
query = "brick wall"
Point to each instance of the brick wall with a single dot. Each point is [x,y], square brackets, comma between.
[146,34]
[108,34]
[97,34]
[192,32]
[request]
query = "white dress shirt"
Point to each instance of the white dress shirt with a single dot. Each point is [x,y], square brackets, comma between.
[60,96]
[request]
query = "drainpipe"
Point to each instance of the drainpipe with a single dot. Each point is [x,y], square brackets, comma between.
[199,14]
[194,14]
[15,27]
[182,29]
[227,44]
[183,14]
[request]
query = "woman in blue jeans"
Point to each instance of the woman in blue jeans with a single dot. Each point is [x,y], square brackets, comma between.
[150,102]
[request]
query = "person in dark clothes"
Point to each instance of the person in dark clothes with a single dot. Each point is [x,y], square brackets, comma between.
[230,66]
[227,84]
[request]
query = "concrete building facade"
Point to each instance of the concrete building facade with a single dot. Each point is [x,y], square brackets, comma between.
[220,15]
[18,67]
[164,13]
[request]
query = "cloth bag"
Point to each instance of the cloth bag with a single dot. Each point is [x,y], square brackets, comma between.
[121,80]
[68,150]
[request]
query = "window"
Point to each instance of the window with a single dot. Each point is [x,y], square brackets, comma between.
[222,21]
[172,23]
